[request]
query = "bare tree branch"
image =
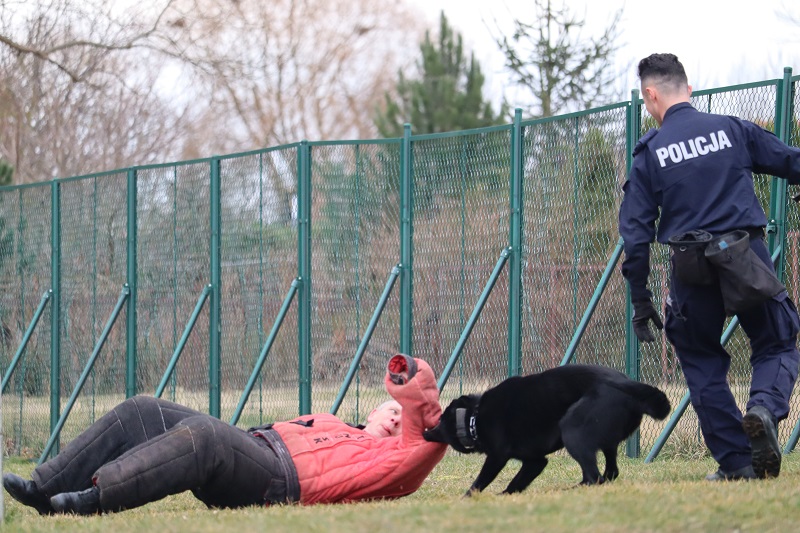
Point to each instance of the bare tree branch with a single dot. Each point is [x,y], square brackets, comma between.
[244,74]
[74,99]
[47,53]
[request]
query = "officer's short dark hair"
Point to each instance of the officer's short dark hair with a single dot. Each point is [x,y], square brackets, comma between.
[663,69]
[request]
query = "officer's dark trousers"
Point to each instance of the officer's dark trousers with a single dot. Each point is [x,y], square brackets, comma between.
[694,324]
[146,448]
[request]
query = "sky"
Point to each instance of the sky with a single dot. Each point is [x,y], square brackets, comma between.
[719,42]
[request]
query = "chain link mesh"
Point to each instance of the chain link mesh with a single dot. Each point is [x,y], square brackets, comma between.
[461,226]
[259,263]
[93,273]
[573,170]
[355,231]
[173,249]
[25,227]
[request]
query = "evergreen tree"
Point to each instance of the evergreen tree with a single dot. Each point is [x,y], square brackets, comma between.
[563,72]
[447,96]
[6,238]
[6,173]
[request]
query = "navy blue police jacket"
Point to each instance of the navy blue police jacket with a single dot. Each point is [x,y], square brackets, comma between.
[697,170]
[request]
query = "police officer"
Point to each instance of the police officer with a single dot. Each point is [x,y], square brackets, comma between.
[697,170]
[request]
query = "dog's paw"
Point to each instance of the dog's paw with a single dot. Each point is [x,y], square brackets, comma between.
[592,481]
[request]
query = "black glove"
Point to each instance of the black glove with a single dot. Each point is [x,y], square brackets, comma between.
[643,311]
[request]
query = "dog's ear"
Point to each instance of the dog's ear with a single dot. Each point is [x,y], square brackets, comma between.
[472,400]
[435,434]
[467,401]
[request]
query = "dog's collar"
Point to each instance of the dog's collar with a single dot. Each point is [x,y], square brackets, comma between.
[466,429]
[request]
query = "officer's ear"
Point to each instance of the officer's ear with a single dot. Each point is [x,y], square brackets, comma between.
[689,90]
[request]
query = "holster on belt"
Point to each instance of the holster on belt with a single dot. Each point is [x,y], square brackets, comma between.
[744,279]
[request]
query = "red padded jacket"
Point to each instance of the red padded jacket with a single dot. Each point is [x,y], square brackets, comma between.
[336,462]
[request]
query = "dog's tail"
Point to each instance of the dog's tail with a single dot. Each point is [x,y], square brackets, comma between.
[652,399]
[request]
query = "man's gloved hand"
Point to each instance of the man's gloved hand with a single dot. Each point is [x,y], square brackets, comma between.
[643,312]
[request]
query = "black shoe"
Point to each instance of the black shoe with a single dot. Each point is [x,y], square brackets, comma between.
[85,502]
[745,473]
[760,428]
[26,493]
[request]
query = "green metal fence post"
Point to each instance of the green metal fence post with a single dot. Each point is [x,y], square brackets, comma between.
[25,338]
[362,346]
[633,126]
[776,229]
[304,275]
[201,300]
[783,122]
[262,357]
[473,319]
[595,300]
[214,316]
[406,242]
[55,309]
[85,374]
[131,387]
[515,238]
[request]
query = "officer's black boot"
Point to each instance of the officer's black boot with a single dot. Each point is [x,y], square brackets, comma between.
[745,473]
[85,502]
[27,493]
[759,426]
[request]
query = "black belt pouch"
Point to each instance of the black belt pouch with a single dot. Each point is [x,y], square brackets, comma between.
[744,279]
[689,263]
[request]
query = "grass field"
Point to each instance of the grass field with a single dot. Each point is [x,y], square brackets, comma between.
[667,495]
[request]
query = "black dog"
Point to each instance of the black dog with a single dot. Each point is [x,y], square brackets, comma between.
[583,408]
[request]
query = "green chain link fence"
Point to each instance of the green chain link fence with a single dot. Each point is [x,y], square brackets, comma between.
[254,286]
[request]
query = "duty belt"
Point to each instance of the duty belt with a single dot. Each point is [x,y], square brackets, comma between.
[756,232]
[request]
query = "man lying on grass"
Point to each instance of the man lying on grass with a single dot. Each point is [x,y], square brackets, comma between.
[147,448]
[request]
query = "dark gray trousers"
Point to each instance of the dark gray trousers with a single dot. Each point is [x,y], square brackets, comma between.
[694,323]
[146,449]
